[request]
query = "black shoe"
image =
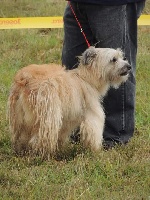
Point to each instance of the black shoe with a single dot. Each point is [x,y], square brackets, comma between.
[109,144]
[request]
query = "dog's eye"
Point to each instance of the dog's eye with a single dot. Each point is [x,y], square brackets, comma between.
[114,60]
[124,58]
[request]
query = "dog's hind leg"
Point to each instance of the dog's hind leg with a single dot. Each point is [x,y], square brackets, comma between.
[91,129]
[64,136]
[20,130]
[21,133]
[48,112]
[20,140]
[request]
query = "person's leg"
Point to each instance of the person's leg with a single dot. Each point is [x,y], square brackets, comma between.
[74,43]
[116,27]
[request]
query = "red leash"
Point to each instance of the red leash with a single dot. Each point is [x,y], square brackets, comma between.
[79,24]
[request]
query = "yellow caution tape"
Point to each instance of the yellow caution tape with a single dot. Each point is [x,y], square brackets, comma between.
[144,20]
[46,22]
[31,22]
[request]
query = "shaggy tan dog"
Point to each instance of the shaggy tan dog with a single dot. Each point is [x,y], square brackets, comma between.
[47,102]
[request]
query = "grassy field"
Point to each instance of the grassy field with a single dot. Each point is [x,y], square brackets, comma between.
[122,173]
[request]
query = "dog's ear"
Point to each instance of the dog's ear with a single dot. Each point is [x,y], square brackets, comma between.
[120,52]
[88,56]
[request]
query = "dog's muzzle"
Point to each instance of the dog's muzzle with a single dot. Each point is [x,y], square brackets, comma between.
[125,70]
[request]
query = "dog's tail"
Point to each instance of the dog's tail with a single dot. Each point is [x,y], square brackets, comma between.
[47,106]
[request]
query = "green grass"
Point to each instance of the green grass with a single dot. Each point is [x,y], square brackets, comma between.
[119,174]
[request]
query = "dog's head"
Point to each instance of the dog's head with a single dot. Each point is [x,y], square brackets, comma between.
[108,64]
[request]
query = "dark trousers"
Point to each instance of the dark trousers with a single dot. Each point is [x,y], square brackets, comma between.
[107,27]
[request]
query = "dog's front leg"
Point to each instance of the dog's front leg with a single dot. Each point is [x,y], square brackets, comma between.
[91,129]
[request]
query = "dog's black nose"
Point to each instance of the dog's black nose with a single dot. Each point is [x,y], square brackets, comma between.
[125,70]
[128,67]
